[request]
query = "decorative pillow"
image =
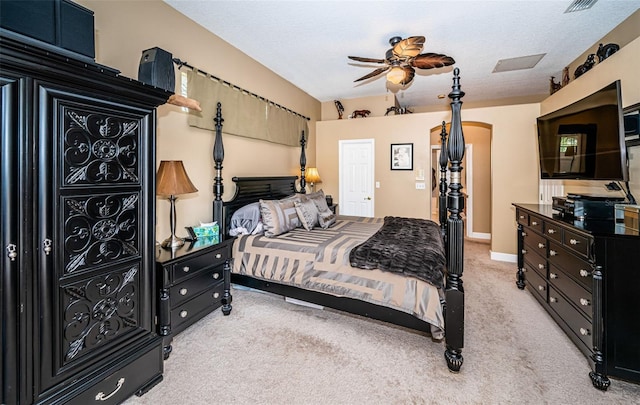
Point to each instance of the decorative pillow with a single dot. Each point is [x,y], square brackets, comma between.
[319,199]
[278,216]
[326,219]
[307,213]
[245,220]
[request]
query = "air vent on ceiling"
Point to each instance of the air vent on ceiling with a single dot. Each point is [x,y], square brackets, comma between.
[579,5]
[522,62]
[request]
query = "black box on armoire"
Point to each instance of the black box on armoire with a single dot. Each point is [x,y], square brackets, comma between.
[62,24]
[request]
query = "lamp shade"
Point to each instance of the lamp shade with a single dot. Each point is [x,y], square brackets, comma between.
[311,175]
[396,75]
[172,179]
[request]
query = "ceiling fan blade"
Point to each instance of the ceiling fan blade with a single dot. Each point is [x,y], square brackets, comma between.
[368,60]
[374,73]
[409,47]
[431,61]
[409,73]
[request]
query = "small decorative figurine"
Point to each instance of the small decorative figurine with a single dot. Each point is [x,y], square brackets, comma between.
[360,113]
[565,76]
[398,110]
[339,107]
[607,50]
[553,85]
[585,67]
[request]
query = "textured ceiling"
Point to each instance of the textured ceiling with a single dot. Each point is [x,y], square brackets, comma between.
[307,42]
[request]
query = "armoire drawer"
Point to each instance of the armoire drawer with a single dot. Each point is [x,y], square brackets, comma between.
[574,292]
[579,325]
[144,371]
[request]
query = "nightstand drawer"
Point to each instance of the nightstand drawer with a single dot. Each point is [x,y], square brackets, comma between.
[195,285]
[145,371]
[189,266]
[190,311]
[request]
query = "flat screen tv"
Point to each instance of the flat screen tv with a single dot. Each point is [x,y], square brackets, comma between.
[585,140]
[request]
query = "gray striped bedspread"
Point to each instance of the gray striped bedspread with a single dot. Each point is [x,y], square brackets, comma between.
[318,260]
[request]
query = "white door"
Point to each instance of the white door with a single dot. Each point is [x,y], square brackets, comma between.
[356,177]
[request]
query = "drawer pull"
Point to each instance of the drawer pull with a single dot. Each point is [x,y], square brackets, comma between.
[584,332]
[183,291]
[186,269]
[521,216]
[553,275]
[183,314]
[584,273]
[552,253]
[573,241]
[541,287]
[216,295]
[102,397]
[551,231]
[12,252]
[524,251]
[534,223]
[218,255]
[216,275]
[524,233]
[541,245]
[553,299]
[585,302]
[540,266]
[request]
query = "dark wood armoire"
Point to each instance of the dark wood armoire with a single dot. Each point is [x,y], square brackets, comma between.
[77,181]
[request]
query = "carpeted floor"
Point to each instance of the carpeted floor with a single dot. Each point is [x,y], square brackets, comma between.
[269,351]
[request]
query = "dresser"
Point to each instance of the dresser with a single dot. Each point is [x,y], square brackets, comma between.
[586,274]
[194,280]
[77,171]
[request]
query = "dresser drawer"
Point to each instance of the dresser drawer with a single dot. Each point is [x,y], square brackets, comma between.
[553,231]
[210,258]
[536,262]
[536,283]
[123,383]
[576,322]
[193,286]
[577,243]
[575,292]
[576,267]
[522,217]
[536,223]
[535,242]
[192,310]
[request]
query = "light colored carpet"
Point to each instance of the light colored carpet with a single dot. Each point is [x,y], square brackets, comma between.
[271,352]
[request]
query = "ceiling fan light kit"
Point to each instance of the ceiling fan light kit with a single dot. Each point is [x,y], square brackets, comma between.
[401,60]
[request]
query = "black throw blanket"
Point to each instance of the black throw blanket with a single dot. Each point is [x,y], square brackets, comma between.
[404,245]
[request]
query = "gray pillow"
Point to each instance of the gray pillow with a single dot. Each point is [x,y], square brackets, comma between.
[307,213]
[326,219]
[245,220]
[278,216]
[320,200]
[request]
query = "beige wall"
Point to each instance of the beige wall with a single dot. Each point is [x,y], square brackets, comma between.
[125,28]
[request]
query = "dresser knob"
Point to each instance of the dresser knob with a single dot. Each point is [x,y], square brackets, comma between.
[573,241]
[218,255]
[534,223]
[584,273]
[553,275]
[524,251]
[183,314]
[551,231]
[521,216]
[186,269]
[524,233]
[12,252]
[584,332]
[541,287]
[216,295]
[541,245]
[585,302]
[183,291]
[553,299]
[552,253]
[540,266]
[216,275]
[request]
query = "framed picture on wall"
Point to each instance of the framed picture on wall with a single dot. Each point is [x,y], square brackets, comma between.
[401,156]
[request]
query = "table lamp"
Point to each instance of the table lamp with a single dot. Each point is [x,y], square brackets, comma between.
[312,176]
[172,180]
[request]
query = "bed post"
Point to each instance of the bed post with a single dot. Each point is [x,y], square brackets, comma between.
[218,157]
[442,201]
[454,292]
[303,163]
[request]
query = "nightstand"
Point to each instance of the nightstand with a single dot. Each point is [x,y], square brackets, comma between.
[333,208]
[193,281]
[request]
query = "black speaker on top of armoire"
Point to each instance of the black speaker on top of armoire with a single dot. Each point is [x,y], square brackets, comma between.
[156,69]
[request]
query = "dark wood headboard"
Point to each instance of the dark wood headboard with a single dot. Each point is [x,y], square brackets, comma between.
[253,189]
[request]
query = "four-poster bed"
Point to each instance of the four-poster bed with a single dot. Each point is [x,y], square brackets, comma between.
[321,265]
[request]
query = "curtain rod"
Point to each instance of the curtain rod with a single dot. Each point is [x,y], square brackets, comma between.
[181,63]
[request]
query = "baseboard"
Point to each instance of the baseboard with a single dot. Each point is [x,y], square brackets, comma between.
[504,257]
[480,235]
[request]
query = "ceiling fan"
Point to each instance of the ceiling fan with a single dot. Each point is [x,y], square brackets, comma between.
[402,58]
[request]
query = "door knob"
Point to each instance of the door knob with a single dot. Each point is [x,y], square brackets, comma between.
[367,198]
